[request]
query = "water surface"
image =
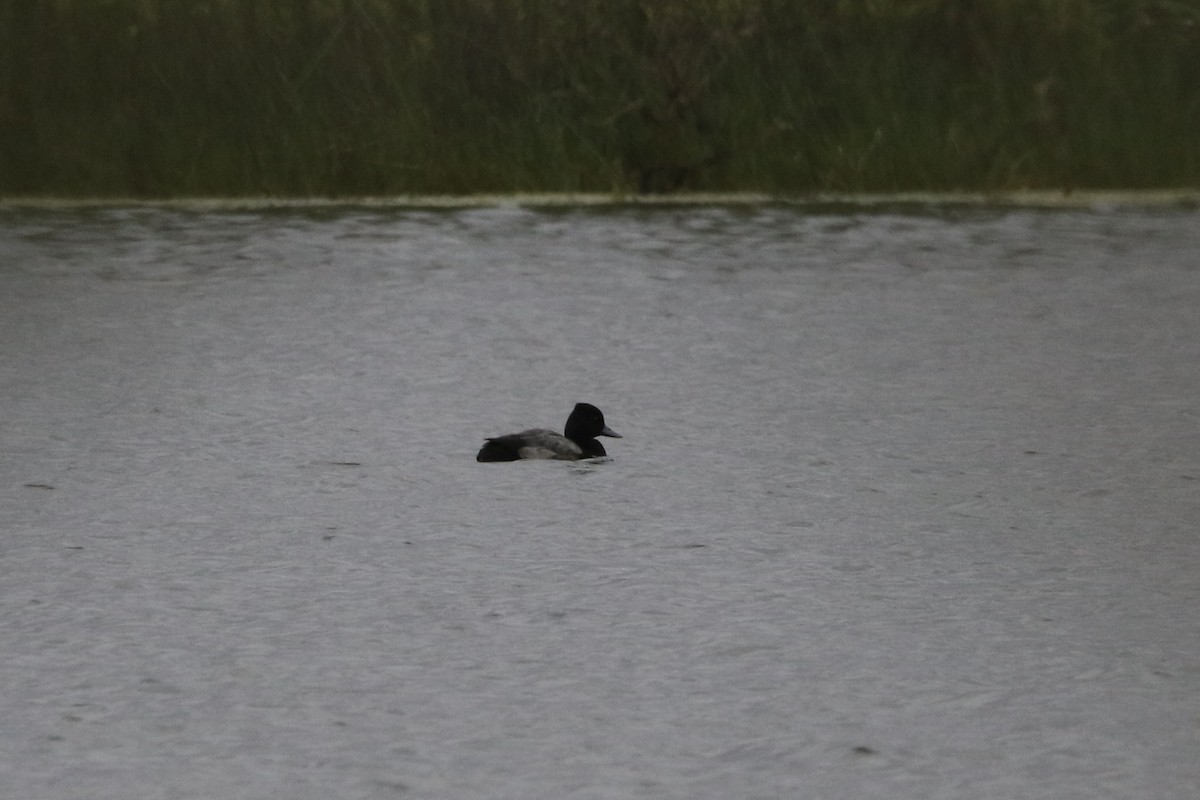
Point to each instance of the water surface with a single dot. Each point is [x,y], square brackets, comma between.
[906,505]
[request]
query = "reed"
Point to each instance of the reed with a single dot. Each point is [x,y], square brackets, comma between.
[352,97]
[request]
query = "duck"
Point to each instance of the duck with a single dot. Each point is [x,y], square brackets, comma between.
[577,441]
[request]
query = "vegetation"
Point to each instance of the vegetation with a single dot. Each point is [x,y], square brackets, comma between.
[352,97]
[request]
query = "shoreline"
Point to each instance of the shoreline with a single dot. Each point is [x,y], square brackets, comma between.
[1090,199]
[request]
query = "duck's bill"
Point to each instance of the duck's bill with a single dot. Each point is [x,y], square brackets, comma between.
[610,432]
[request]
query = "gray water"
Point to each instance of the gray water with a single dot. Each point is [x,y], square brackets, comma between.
[908,503]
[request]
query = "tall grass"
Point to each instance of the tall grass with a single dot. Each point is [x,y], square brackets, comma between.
[336,97]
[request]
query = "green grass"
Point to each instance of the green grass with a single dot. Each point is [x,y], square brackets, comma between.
[161,98]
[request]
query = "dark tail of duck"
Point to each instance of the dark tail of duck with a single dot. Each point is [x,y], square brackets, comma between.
[495,450]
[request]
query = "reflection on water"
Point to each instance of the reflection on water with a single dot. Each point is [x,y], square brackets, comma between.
[905,505]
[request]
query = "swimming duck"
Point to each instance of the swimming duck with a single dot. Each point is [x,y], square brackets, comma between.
[583,426]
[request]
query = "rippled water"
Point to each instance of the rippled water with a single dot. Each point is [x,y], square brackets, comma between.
[907,504]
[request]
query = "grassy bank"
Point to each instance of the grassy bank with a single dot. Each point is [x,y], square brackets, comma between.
[335,97]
